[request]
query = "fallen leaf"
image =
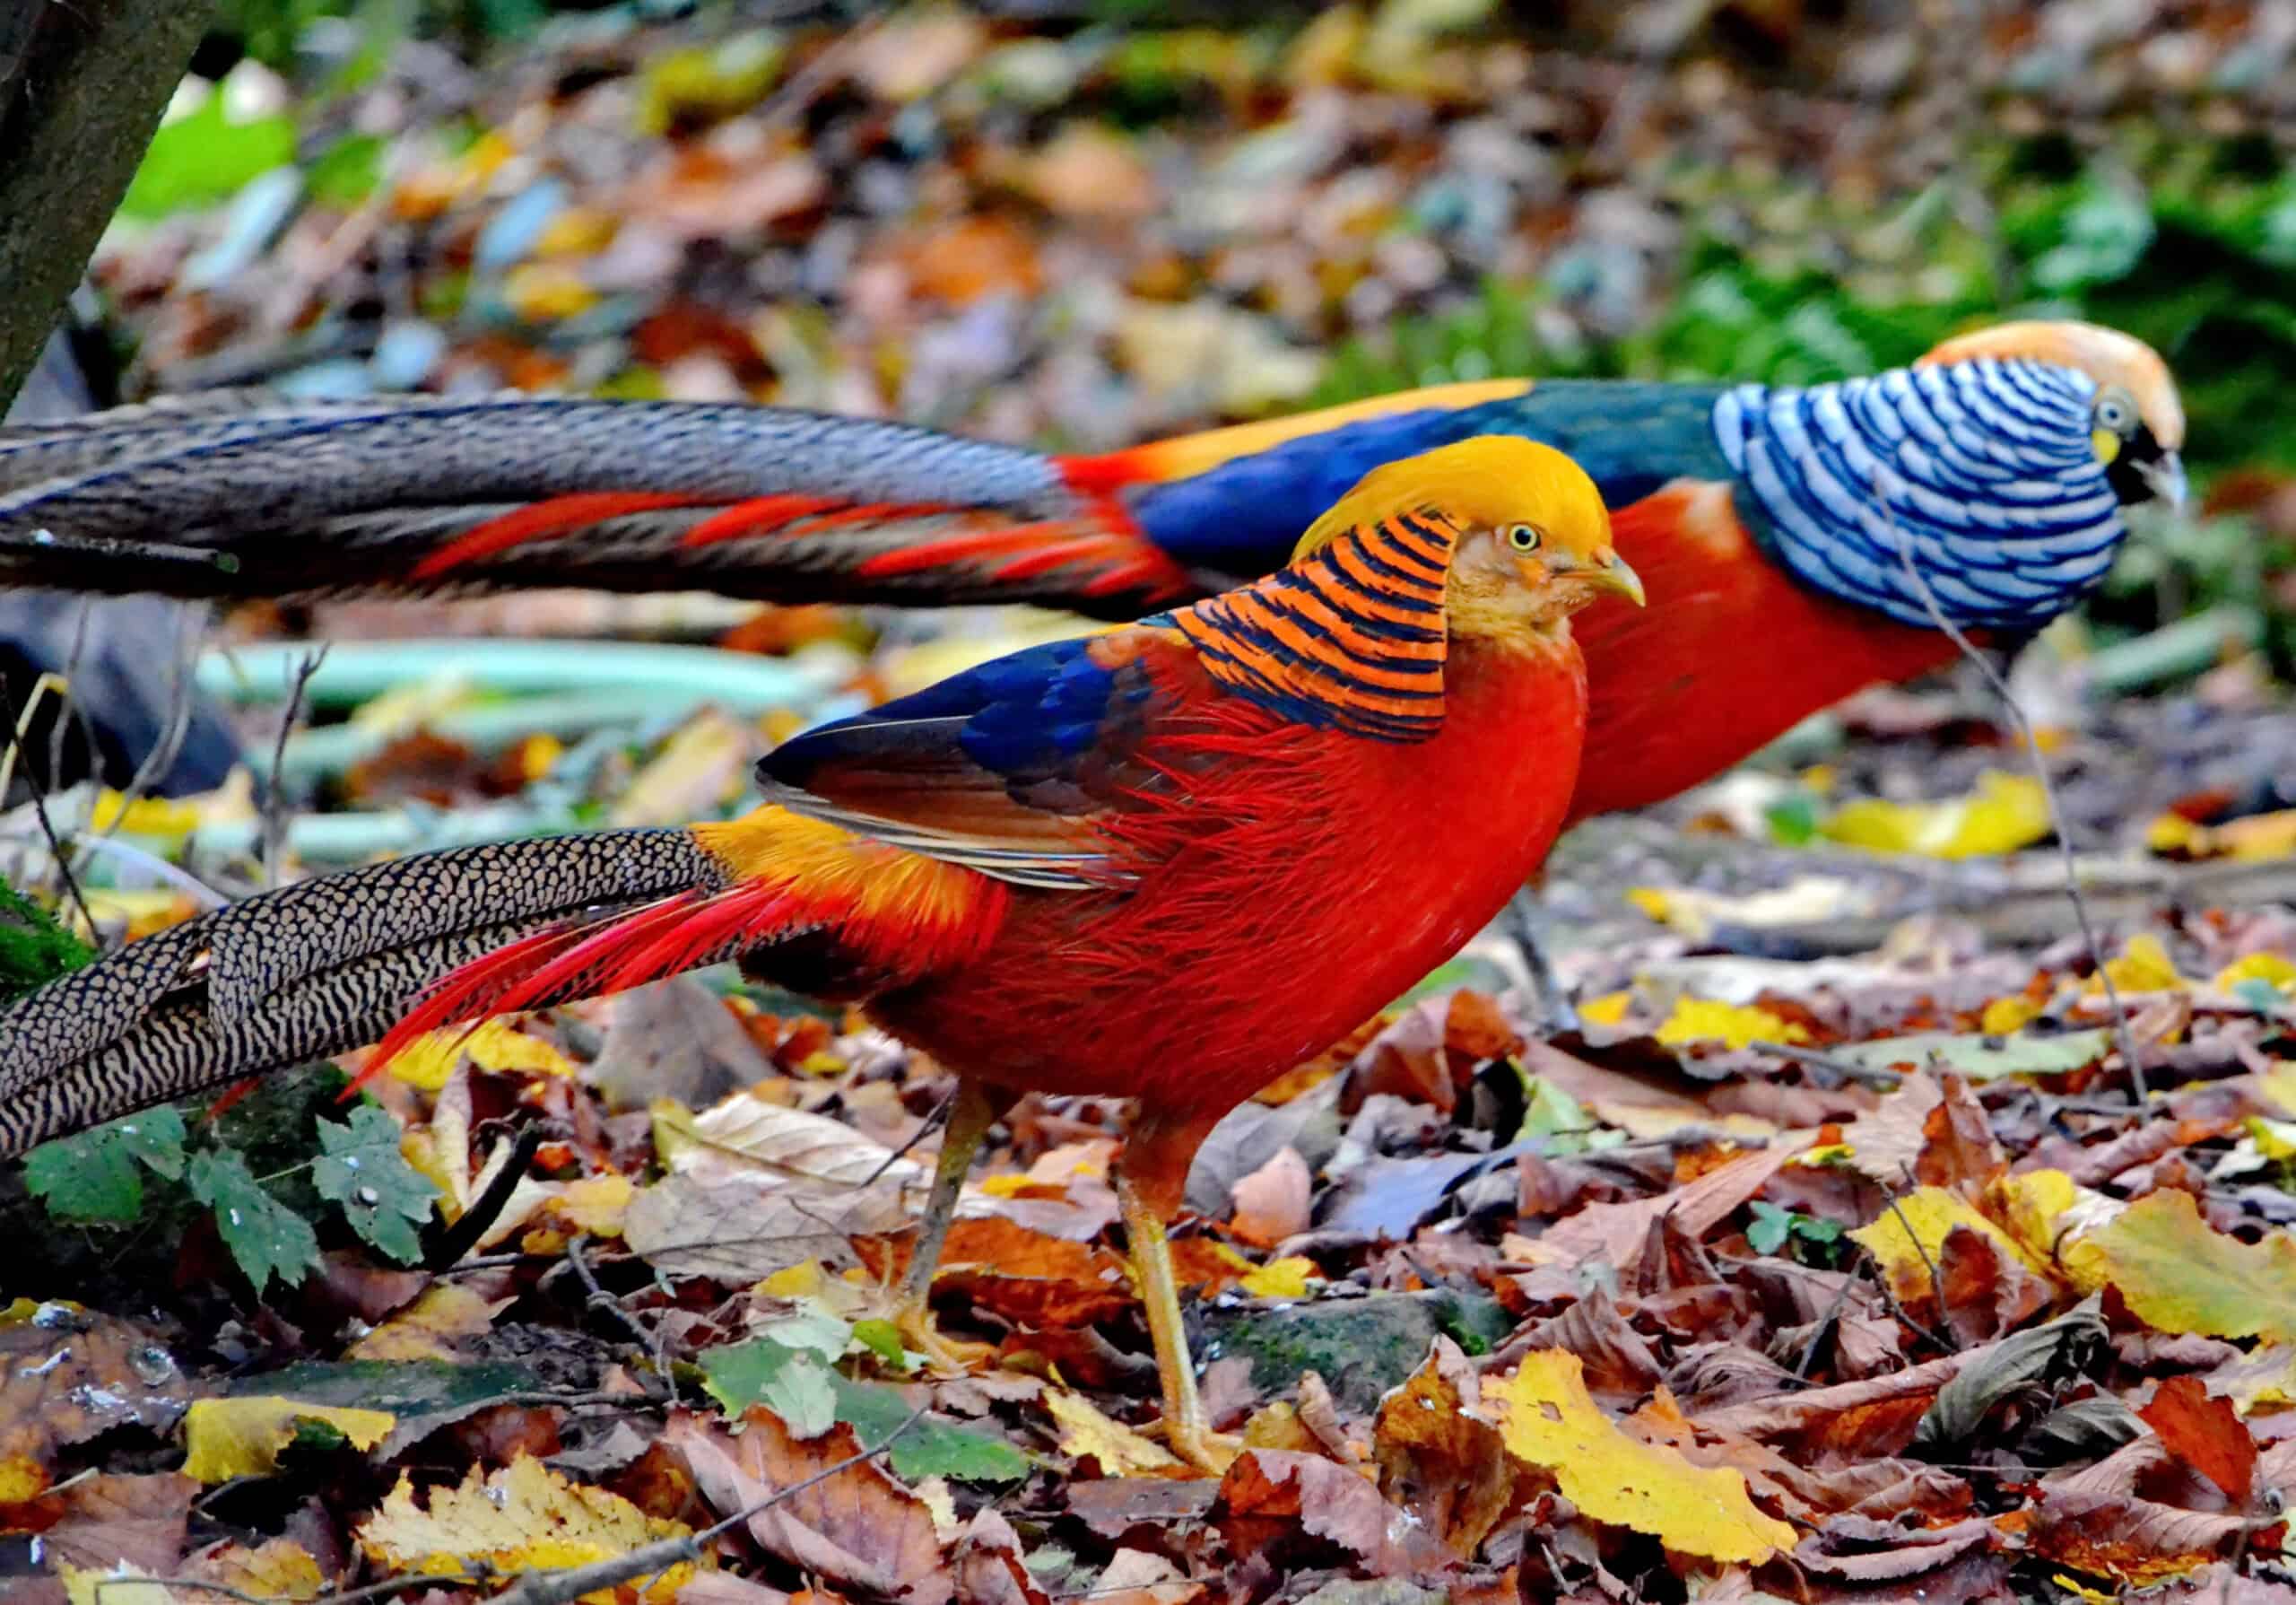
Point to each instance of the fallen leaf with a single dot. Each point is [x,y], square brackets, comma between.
[2007,812]
[1438,1458]
[1272,1203]
[225,1438]
[1115,1448]
[2205,1432]
[1270,1499]
[1618,1232]
[279,1568]
[857,1529]
[522,1515]
[1734,1025]
[497,1046]
[1552,1422]
[2178,1274]
[1282,1278]
[67,1375]
[446,1310]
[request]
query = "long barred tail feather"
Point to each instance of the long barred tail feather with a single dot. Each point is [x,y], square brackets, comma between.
[320,497]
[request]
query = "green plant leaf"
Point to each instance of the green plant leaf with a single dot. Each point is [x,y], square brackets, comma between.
[266,1237]
[383,1197]
[1773,1225]
[94,1177]
[882,1338]
[930,1448]
[203,158]
[793,1385]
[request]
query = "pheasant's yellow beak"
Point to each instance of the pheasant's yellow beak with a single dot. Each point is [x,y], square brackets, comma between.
[1612,574]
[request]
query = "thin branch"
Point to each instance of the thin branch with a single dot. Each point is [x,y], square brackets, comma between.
[274,801]
[2040,773]
[21,722]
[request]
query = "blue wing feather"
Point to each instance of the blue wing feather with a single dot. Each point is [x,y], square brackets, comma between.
[1003,767]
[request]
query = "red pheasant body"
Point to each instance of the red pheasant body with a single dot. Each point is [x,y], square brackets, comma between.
[1300,881]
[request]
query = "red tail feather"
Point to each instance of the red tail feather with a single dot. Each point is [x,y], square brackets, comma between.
[761,515]
[560,515]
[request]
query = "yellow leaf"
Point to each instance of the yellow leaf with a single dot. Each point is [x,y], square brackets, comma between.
[596,1204]
[277,1569]
[1736,1025]
[2270,968]
[2274,1140]
[537,752]
[2004,1016]
[2024,1220]
[1282,1278]
[495,1046]
[2279,1085]
[2143,965]
[2172,832]
[419,1333]
[2007,812]
[1650,900]
[21,1479]
[225,1438]
[1008,1186]
[2180,1274]
[802,1280]
[145,816]
[1609,1010]
[522,1516]
[546,292]
[1552,1422]
[121,1584]
[1120,1451]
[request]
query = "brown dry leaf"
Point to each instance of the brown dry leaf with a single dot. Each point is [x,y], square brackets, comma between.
[1552,1422]
[225,1438]
[1618,1232]
[1272,1203]
[1985,1290]
[1031,1278]
[1440,1459]
[280,1568]
[989,1569]
[68,1374]
[860,1529]
[1860,1420]
[1088,170]
[520,1516]
[108,1521]
[1958,1150]
[1088,1435]
[755,1187]
[419,1332]
[1269,1499]
[2180,1274]
[1861,1549]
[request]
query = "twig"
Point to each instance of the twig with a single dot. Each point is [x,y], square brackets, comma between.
[1848,1069]
[460,1238]
[1825,1322]
[598,1298]
[934,1119]
[21,721]
[274,801]
[2049,791]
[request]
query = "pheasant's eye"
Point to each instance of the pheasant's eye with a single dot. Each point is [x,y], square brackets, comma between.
[1523,538]
[2113,414]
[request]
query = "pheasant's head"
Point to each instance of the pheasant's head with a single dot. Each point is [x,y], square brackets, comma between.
[1525,531]
[2136,420]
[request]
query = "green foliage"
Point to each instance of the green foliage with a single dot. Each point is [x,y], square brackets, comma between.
[1774,1229]
[788,1369]
[385,1199]
[347,171]
[267,1238]
[96,1178]
[34,949]
[1789,287]
[205,158]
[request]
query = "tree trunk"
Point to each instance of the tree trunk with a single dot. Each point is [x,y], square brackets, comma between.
[82,83]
